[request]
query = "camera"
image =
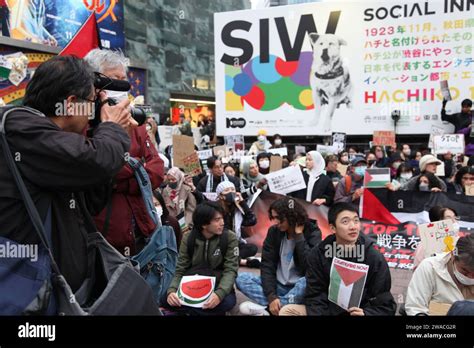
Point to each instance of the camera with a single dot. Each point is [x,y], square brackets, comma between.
[102,82]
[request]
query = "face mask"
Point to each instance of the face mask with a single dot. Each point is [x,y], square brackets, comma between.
[230,197]
[264,164]
[278,142]
[261,138]
[117,96]
[407,152]
[424,187]
[360,170]
[406,176]
[462,278]
[173,185]
[396,165]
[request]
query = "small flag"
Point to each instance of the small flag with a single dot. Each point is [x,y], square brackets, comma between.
[377,177]
[86,39]
[347,281]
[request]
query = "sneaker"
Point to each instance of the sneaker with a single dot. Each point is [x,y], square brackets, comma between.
[253,309]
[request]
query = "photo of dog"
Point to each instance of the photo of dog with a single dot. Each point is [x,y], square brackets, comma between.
[330,80]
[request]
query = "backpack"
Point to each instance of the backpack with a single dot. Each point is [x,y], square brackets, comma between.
[158,259]
[205,269]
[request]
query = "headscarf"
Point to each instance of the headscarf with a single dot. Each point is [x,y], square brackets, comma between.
[246,172]
[176,173]
[318,168]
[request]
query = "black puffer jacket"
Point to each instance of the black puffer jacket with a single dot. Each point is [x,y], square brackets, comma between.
[310,237]
[376,298]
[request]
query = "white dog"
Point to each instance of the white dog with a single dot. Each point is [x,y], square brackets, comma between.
[330,79]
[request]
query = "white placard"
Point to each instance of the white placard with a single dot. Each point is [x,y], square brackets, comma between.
[453,143]
[286,180]
[283,151]
[327,149]
[205,154]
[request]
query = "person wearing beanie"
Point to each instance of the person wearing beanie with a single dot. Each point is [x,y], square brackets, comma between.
[428,164]
[395,161]
[237,215]
[261,145]
[350,189]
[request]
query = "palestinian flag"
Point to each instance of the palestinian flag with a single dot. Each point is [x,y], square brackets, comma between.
[347,281]
[385,206]
[86,39]
[194,290]
[376,177]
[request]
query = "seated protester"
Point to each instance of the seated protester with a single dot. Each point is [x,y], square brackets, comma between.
[283,264]
[395,161]
[166,218]
[427,182]
[263,161]
[376,299]
[464,177]
[230,170]
[215,177]
[350,188]
[444,278]
[331,168]
[382,160]
[319,188]
[277,142]
[428,164]
[237,214]
[261,145]
[371,160]
[179,199]
[206,256]
[403,175]
[252,180]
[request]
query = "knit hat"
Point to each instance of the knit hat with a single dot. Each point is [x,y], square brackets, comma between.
[262,132]
[428,159]
[223,185]
[358,159]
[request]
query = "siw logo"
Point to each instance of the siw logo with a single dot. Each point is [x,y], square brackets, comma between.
[235,123]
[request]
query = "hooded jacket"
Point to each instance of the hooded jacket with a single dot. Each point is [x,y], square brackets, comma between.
[376,297]
[66,171]
[310,237]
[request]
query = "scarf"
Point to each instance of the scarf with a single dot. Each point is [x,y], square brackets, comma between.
[315,172]
[246,172]
[210,181]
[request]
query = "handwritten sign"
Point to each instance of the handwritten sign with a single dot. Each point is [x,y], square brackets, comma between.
[183,146]
[339,141]
[384,138]
[286,180]
[205,154]
[435,130]
[445,90]
[438,237]
[453,143]
[222,151]
[192,165]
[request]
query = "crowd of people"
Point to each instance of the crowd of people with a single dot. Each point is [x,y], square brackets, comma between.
[210,213]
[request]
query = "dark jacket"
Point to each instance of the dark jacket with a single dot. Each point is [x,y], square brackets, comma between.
[376,298]
[201,186]
[127,201]
[323,188]
[65,170]
[461,123]
[310,237]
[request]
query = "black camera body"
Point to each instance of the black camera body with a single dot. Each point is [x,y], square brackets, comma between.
[102,82]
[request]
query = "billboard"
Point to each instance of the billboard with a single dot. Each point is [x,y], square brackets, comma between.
[54,22]
[317,68]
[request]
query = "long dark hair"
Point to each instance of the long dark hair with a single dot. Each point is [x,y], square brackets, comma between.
[432,181]
[289,209]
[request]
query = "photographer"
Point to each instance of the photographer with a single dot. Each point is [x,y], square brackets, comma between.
[60,166]
[123,222]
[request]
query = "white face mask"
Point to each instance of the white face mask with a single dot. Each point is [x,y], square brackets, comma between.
[117,96]
[278,142]
[462,278]
[424,187]
[265,164]
[261,138]
[406,176]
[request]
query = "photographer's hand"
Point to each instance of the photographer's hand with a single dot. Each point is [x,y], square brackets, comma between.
[119,113]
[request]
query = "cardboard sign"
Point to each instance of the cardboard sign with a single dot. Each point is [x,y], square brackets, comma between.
[339,141]
[342,168]
[276,163]
[300,149]
[347,281]
[435,130]
[205,154]
[377,177]
[326,149]
[470,190]
[195,290]
[445,90]
[286,180]
[222,151]
[384,138]
[437,308]
[192,165]
[453,143]
[438,237]
[283,151]
[183,146]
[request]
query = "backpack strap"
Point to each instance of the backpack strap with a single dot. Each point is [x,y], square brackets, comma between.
[348,182]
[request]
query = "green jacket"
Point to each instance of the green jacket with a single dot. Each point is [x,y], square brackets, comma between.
[231,263]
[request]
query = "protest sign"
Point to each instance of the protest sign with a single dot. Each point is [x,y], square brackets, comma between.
[377,177]
[453,143]
[326,149]
[195,290]
[276,163]
[300,149]
[435,130]
[286,180]
[183,146]
[445,90]
[438,237]
[282,151]
[440,170]
[205,154]
[192,165]
[339,141]
[384,138]
[222,151]
[347,281]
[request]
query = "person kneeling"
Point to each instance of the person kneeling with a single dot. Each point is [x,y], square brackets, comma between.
[208,250]
[356,248]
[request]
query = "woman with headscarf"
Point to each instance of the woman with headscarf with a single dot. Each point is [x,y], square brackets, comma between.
[319,187]
[252,180]
[179,198]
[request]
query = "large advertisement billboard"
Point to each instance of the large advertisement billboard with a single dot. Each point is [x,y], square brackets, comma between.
[317,68]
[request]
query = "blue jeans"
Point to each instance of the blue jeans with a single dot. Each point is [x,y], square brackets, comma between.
[251,286]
